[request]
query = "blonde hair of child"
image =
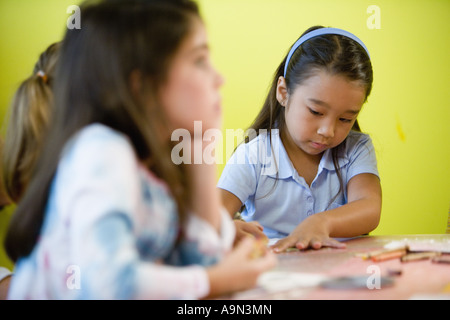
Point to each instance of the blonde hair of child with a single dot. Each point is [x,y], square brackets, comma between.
[28,121]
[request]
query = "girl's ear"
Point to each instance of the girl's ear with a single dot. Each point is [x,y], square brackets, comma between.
[282,94]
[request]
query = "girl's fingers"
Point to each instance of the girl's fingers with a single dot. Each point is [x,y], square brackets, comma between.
[254,250]
[283,244]
[268,261]
[302,244]
[330,242]
[251,247]
[258,225]
[245,246]
[317,243]
[249,228]
[255,230]
[305,243]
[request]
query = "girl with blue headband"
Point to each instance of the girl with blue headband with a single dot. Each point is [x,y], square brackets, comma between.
[308,175]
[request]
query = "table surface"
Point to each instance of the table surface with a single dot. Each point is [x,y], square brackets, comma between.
[411,280]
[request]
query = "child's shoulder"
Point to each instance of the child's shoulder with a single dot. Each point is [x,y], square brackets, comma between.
[97,142]
[356,137]
[357,141]
[97,135]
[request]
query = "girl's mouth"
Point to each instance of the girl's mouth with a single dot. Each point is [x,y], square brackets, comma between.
[317,145]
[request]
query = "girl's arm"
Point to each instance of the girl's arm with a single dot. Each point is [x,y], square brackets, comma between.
[230,201]
[238,270]
[243,229]
[362,213]
[359,216]
[206,202]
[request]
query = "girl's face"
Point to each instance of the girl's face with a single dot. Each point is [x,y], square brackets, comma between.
[320,112]
[191,92]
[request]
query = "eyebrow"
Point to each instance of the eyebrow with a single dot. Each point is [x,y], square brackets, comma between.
[199,47]
[326,105]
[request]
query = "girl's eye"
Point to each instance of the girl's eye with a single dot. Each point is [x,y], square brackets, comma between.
[201,61]
[345,120]
[316,113]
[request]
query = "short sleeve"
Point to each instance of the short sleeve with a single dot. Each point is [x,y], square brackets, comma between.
[4,273]
[239,175]
[362,157]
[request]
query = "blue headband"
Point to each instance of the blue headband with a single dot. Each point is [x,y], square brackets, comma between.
[320,32]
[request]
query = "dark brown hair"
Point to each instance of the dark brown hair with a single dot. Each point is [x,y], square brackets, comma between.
[92,85]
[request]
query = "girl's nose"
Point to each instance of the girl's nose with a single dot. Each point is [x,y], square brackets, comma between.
[219,79]
[326,129]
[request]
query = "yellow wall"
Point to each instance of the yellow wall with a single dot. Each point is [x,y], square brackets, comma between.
[407,114]
[27,28]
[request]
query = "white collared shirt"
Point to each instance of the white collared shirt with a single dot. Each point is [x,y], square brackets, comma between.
[275,195]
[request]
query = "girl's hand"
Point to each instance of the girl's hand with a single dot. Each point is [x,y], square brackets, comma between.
[240,269]
[245,229]
[311,233]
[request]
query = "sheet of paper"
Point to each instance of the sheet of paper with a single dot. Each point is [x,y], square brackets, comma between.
[284,280]
[417,245]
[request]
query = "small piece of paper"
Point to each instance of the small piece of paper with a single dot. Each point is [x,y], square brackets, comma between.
[419,245]
[283,280]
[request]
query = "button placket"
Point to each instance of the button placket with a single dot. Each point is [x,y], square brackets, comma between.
[310,203]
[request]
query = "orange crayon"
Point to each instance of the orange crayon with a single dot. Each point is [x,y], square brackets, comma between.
[387,255]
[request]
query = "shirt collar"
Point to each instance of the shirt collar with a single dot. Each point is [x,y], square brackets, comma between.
[285,168]
[283,165]
[327,160]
